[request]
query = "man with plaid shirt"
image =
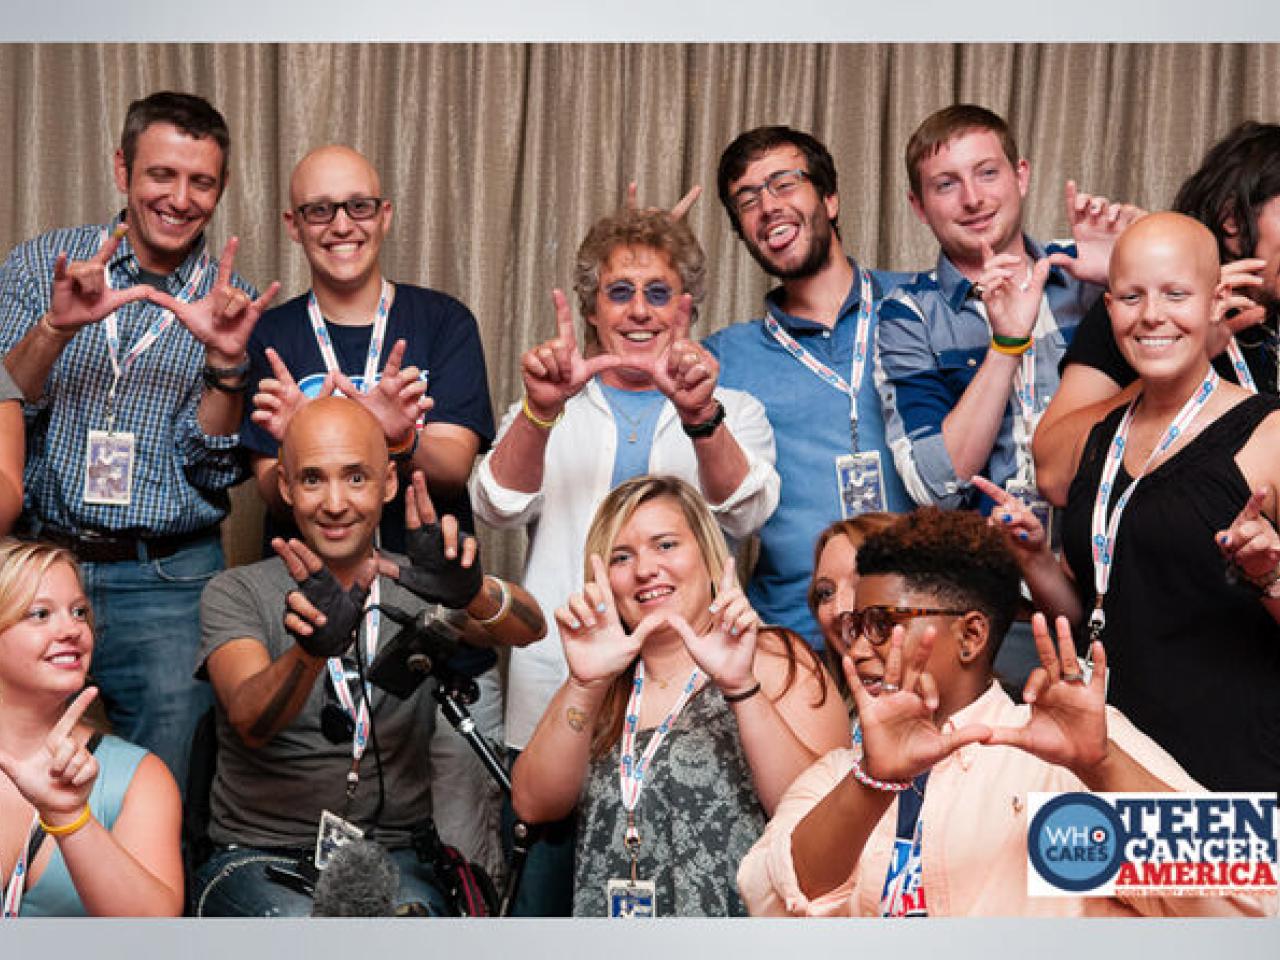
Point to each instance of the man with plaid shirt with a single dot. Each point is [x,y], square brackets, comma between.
[128,343]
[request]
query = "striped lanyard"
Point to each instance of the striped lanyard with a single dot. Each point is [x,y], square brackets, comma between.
[1104,529]
[13,891]
[1243,374]
[373,360]
[111,329]
[372,621]
[861,351]
[631,771]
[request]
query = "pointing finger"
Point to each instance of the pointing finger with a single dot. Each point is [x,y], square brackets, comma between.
[73,713]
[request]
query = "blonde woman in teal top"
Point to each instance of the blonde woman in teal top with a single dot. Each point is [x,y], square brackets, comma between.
[83,831]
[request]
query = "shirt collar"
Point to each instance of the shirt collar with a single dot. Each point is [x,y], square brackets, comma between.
[956,287]
[125,259]
[773,303]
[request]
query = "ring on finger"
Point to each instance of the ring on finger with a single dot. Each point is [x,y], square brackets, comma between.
[889,687]
[1073,677]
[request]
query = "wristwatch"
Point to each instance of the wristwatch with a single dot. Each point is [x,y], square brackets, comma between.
[698,431]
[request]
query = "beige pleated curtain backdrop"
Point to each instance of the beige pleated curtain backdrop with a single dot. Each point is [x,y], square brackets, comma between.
[497,157]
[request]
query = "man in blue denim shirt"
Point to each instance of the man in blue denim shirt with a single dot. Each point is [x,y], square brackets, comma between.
[130,353]
[807,360]
[962,393]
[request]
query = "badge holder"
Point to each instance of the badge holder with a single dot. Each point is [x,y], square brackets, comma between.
[860,477]
[631,898]
[108,467]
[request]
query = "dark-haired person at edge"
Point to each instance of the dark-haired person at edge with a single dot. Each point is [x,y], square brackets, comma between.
[963,388]
[808,359]
[305,750]
[683,719]
[835,583]
[128,341]
[929,816]
[1236,194]
[88,824]
[413,357]
[1169,540]
[12,450]
[641,398]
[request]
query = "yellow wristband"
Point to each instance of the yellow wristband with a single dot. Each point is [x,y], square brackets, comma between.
[536,420]
[68,829]
[1012,351]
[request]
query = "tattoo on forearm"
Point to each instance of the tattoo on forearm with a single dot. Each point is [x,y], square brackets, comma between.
[576,718]
[267,721]
[529,616]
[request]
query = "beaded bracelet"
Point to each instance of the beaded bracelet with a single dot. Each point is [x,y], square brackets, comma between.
[885,786]
[67,829]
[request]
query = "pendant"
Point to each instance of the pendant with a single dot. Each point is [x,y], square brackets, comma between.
[631,437]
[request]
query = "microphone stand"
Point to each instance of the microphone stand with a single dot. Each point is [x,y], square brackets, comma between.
[423,648]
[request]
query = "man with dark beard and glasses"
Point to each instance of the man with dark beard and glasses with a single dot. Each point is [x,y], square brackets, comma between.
[807,360]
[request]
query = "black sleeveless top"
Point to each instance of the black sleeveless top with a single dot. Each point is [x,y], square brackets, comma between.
[1195,658]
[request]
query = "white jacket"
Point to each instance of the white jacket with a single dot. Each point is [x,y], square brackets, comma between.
[577,473]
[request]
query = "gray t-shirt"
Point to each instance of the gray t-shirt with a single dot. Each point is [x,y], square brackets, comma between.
[8,389]
[273,796]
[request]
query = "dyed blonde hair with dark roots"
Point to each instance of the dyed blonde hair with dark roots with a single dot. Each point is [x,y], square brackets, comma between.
[615,510]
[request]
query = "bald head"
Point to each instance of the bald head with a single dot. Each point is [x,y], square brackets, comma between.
[330,420]
[333,172]
[336,476]
[1171,235]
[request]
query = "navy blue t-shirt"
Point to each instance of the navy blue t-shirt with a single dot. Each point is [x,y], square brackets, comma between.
[442,340]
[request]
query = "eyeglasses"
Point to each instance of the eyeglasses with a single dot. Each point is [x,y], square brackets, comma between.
[656,292]
[323,211]
[876,623]
[780,184]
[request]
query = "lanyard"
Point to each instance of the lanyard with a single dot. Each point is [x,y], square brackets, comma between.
[861,350]
[121,366]
[1243,373]
[1103,529]
[630,770]
[359,715]
[13,891]
[373,361]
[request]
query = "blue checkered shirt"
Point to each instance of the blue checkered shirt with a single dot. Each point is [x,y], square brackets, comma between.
[181,475]
[932,337]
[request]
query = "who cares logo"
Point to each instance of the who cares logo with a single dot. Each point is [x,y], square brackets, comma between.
[1151,844]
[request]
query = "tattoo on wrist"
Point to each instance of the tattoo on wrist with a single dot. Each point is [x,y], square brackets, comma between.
[576,718]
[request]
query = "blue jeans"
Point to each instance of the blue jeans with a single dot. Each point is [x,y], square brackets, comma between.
[147,617]
[234,883]
[546,883]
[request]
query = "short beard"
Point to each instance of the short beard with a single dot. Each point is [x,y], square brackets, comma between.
[811,265]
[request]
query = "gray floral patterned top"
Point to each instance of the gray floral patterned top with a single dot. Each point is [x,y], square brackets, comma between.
[698,816]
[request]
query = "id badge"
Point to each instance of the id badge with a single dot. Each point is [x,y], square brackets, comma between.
[632,899]
[1029,494]
[861,481]
[333,833]
[108,468]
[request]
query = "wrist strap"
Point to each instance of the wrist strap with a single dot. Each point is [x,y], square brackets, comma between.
[697,431]
[536,420]
[68,829]
[884,786]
